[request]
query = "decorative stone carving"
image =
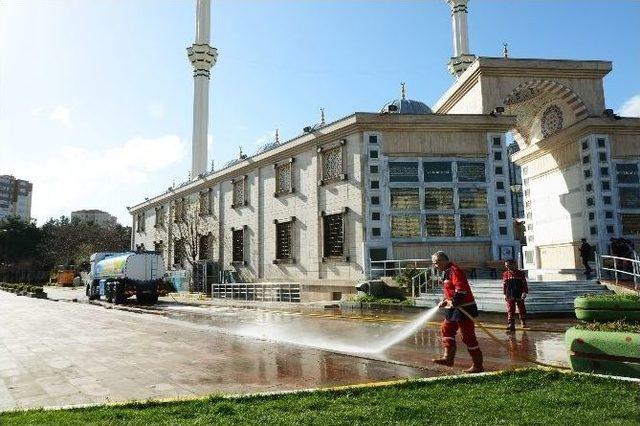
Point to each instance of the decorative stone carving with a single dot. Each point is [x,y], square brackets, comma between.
[552,120]
[238,193]
[522,95]
[283,178]
[203,57]
[332,163]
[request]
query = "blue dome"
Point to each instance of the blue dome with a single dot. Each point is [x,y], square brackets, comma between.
[406,106]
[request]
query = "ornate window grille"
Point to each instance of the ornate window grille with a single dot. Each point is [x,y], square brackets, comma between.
[405,226]
[239,192]
[284,241]
[141,220]
[159,217]
[333,235]
[284,178]
[472,225]
[332,163]
[178,251]
[203,247]
[205,203]
[180,211]
[237,245]
[158,247]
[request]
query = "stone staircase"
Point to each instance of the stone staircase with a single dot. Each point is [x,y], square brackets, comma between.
[544,296]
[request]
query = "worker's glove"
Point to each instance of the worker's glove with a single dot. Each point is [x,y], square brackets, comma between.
[524,296]
[443,304]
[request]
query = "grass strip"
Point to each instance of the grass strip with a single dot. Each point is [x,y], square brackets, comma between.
[533,397]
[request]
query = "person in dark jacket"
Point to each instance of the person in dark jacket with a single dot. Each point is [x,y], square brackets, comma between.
[586,251]
[457,294]
[515,289]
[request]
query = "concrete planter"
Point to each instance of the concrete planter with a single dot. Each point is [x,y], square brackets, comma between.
[589,309]
[604,352]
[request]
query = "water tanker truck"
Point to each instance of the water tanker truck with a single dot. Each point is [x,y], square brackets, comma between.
[118,276]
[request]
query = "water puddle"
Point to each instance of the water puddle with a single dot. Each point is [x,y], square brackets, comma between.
[368,344]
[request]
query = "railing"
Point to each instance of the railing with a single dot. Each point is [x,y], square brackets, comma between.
[392,268]
[262,292]
[621,266]
[426,281]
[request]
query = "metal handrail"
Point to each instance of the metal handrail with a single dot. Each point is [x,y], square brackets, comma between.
[635,268]
[423,279]
[263,292]
[394,267]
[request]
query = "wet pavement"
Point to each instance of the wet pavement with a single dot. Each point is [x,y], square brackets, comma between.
[61,353]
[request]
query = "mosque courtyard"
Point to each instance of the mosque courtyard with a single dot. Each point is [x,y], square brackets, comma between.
[65,354]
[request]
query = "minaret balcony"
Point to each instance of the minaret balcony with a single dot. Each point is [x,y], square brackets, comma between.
[202,57]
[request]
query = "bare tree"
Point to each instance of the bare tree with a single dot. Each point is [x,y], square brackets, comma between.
[193,228]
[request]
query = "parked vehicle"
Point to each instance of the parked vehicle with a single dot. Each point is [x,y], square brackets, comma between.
[118,276]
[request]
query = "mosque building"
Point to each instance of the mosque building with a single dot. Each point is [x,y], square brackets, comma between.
[405,181]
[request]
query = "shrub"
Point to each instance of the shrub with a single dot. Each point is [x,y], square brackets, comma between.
[21,288]
[616,326]
[383,301]
[404,280]
[612,297]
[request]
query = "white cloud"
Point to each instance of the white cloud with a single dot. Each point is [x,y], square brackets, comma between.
[79,178]
[631,107]
[157,110]
[62,115]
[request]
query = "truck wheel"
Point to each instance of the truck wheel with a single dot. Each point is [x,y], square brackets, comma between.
[152,299]
[118,297]
[108,292]
[90,293]
[141,298]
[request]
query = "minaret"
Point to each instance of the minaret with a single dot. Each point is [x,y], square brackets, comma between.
[461,57]
[203,57]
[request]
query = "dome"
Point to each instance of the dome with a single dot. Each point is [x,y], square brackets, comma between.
[267,147]
[232,163]
[406,106]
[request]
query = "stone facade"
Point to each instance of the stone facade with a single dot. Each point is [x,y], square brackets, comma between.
[572,153]
[318,192]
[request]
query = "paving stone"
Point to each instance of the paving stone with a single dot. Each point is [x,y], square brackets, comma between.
[91,354]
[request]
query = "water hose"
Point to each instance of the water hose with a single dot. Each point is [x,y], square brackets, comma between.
[501,343]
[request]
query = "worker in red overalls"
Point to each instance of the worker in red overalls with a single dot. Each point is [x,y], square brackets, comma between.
[515,289]
[457,294]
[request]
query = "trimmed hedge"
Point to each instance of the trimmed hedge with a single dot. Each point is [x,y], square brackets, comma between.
[605,352]
[22,288]
[610,343]
[617,326]
[608,307]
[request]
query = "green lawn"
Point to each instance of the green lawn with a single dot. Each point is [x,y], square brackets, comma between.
[523,397]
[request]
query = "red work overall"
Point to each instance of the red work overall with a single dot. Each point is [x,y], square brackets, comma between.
[456,288]
[514,284]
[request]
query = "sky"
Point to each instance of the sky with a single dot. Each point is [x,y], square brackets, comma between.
[96,95]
